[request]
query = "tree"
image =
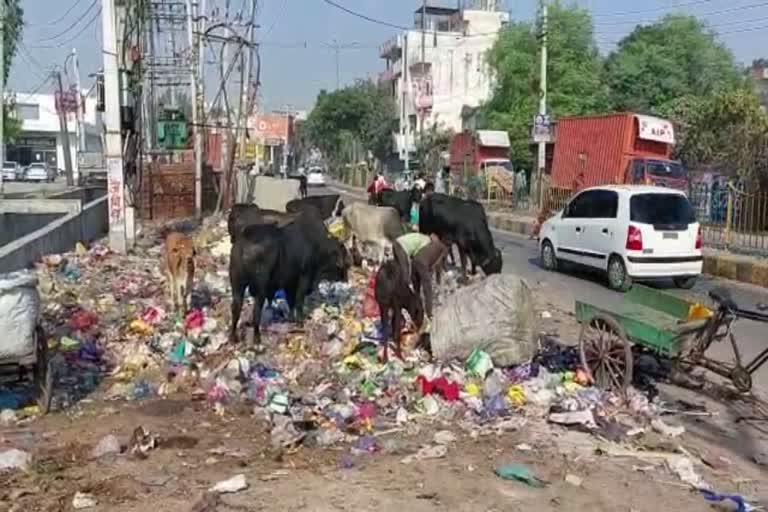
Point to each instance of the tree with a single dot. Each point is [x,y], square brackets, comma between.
[727,130]
[431,145]
[659,63]
[12,26]
[361,113]
[574,67]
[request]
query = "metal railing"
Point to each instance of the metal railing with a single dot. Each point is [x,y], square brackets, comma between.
[731,218]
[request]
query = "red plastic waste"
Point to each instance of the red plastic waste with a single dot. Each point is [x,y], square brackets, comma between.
[440,386]
[370,306]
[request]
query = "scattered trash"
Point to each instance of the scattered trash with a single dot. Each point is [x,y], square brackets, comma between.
[520,473]
[235,484]
[546,315]
[571,418]
[740,502]
[141,443]
[444,437]
[682,467]
[109,445]
[14,459]
[573,480]
[8,417]
[426,453]
[83,500]
[666,430]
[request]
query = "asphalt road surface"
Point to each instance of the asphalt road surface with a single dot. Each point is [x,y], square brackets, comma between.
[561,289]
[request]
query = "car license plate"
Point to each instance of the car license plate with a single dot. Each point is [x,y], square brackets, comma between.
[670,236]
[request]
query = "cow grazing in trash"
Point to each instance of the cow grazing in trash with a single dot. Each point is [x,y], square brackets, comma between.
[179,268]
[244,215]
[372,226]
[393,294]
[296,258]
[464,223]
[330,205]
[400,200]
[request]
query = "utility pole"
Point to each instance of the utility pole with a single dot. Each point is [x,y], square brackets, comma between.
[2,94]
[81,136]
[542,104]
[64,133]
[406,86]
[423,63]
[197,103]
[245,83]
[118,240]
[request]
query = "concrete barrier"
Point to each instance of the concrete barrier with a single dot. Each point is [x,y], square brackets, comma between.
[33,205]
[58,236]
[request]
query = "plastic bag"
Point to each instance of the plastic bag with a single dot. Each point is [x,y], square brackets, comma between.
[19,314]
[495,315]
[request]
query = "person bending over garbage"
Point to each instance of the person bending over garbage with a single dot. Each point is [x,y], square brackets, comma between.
[418,256]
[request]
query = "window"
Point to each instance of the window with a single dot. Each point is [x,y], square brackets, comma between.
[661,209]
[594,204]
[638,171]
[28,111]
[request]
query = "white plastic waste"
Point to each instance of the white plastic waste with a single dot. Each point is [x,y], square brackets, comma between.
[19,313]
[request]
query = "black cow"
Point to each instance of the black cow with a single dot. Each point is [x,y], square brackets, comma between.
[244,215]
[464,223]
[329,205]
[302,184]
[393,294]
[295,258]
[400,200]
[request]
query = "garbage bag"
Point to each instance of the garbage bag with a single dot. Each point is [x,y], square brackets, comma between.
[19,314]
[495,315]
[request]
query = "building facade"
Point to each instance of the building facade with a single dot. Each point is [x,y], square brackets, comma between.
[433,83]
[40,139]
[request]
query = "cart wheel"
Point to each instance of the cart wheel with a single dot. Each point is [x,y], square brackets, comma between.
[741,379]
[606,353]
[44,374]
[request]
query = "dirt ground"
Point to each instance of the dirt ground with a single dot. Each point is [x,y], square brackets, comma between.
[198,448]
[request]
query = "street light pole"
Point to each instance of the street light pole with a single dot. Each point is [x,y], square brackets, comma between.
[542,156]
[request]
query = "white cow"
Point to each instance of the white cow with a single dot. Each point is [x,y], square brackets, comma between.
[376,227]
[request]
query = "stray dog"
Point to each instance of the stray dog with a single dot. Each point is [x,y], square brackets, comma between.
[180,268]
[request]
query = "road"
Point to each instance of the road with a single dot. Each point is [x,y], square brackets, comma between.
[560,290]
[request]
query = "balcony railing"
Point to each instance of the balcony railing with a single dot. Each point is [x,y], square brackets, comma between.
[390,48]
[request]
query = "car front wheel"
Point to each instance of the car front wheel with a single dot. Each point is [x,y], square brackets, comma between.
[618,278]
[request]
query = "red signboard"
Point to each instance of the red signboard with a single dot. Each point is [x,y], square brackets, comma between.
[271,128]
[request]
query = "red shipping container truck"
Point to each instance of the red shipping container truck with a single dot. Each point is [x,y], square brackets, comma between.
[613,149]
[473,152]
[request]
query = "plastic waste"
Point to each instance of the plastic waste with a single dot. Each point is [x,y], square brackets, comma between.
[232,485]
[667,430]
[682,467]
[108,445]
[479,363]
[14,459]
[520,473]
[426,453]
[444,437]
[741,504]
[493,385]
[7,417]
[83,500]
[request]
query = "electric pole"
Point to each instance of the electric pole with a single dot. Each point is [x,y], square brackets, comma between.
[2,94]
[406,118]
[118,240]
[197,105]
[62,111]
[81,136]
[542,105]
[423,65]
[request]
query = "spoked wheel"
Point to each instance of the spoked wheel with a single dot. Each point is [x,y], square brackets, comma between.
[606,353]
[44,375]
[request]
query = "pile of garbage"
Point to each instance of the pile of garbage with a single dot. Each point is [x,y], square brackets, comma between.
[320,384]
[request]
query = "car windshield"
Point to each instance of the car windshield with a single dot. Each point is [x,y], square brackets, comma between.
[37,166]
[656,209]
[9,165]
[665,169]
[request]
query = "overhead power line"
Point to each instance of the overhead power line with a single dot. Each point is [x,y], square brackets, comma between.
[75,36]
[74,23]
[60,19]
[645,11]
[711,13]
[365,17]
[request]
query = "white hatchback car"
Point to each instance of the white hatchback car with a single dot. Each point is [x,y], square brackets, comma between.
[316,177]
[632,232]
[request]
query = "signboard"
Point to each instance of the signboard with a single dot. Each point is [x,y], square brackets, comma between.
[653,128]
[271,127]
[423,94]
[542,128]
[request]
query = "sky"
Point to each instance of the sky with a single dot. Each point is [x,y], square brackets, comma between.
[296,35]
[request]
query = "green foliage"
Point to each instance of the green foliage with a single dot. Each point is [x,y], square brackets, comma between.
[361,112]
[727,130]
[659,63]
[12,26]
[574,76]
[430,145]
